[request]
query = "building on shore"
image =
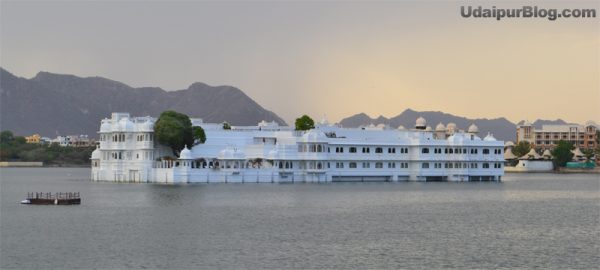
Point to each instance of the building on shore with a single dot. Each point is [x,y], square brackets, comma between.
[35,139]
[128,152]
[581,136]
[74,141]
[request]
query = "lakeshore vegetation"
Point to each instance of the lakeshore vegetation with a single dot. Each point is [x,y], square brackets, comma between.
[15,148]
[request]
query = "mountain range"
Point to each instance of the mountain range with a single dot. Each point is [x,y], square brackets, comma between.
[57,104]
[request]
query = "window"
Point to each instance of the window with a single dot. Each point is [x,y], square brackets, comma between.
[339,165]
[366,150]
[352,150]
[379,165]
[473,165]
[425,151]
[404,165]
[486,151]
[486,165]
[378,150]
[391,150]
[366,165]
[391,165]
[425,165]
[352,165]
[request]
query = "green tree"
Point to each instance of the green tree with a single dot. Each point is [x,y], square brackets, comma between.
[6,136]
[305,123]
[589,153]
[20,140]
[174,129]
[199,135]
[562,153]
[522,148]
[226,125]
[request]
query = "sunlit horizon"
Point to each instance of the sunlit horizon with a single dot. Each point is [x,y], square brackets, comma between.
[329,58]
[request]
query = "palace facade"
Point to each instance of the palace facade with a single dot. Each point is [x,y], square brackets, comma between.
[267,152]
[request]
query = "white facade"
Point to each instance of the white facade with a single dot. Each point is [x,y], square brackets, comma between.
[526,165]
[271,153]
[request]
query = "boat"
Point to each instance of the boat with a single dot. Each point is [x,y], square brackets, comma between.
[47,198]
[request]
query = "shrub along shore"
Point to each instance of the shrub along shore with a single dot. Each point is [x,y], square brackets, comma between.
[14,148]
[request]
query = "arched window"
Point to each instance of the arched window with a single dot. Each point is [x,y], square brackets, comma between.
[425,151]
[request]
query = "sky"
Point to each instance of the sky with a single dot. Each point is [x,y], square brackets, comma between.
[332,58]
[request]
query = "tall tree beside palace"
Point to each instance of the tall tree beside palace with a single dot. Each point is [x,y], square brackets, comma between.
[174,129]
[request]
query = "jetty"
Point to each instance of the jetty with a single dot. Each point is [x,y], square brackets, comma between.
[48,198]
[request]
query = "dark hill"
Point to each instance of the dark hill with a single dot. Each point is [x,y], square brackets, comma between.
[52,104]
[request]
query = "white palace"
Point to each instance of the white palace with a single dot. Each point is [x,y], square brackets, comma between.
[268,152]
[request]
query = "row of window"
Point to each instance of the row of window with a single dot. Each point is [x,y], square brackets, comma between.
[367,165]
[121,137]
[341,149]
[127,155]
[460,165]
[485,151]
[590,143]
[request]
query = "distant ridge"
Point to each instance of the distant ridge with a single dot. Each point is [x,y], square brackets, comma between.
[500,127]
[52,104]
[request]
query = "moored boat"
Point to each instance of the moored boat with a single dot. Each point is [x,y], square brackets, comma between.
[47,198]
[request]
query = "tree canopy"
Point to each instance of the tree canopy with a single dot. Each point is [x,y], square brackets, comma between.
[226,125]
[562,153]
[522,148]
[305,123]
[15,148]
[174,129]
[199,135]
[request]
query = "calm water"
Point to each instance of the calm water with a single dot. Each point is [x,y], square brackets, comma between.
[530,220]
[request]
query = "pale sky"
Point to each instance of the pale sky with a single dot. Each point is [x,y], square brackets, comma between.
[331,58]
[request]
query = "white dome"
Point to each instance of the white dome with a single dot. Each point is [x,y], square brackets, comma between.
[473,129]
[531,155]
[324,121]
[547,153]
[147,126]
[185,154]
[440,127]
[105,127]
[577,152]
[226,153]
[96,154]
[231,153]
[456,139]
[314,136]
[508,154]
[428,128]
[401,127]
[451,126]
[509,144]
[125,125]
[420,122]
[489,138]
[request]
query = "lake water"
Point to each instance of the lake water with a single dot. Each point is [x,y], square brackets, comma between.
[529,220]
